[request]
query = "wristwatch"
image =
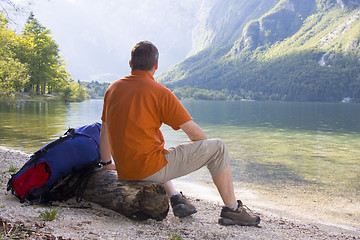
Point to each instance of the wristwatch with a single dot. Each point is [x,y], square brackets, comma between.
[105,163]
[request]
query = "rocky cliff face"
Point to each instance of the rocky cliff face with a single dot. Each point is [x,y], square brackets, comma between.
[221,22]
[284,20]
[298,50]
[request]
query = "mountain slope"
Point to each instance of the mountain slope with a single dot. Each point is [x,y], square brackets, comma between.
[222,22]
[298,51]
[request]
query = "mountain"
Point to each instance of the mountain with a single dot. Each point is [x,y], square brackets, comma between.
[222,22]
[291,50]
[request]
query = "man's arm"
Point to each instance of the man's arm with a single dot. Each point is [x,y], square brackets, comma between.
[193,131]
[105,152]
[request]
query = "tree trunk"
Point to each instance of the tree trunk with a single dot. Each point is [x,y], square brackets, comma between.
[135,200]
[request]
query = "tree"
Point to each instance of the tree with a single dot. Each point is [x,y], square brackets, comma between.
[41,54]
[31,62]
[13,74]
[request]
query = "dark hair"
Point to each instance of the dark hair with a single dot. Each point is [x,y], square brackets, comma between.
[144,56]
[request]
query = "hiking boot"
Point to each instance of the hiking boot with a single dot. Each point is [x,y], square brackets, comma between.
[181,206]
[240,216]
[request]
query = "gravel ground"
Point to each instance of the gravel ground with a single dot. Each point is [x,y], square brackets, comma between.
[86,220]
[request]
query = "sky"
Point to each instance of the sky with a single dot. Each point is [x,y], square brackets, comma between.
[96,36]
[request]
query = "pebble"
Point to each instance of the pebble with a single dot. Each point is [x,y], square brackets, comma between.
[95,222]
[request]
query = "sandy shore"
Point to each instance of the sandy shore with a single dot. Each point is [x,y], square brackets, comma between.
[95,222]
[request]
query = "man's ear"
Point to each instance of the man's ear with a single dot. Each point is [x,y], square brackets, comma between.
[156,65]
[130,64]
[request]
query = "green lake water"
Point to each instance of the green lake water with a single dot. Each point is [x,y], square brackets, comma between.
[275,144]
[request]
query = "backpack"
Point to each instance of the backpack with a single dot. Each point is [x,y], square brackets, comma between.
[60,169]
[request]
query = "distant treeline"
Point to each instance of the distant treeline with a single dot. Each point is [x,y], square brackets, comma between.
[94,89]
[30,62]
[191,93]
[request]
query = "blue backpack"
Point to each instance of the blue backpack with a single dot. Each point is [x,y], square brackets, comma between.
[60,169]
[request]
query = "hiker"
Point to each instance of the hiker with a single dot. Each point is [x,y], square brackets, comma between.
[134,109]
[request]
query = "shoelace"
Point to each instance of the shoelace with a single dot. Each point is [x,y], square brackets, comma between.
[243,206]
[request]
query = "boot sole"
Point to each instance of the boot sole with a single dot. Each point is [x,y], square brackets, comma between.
[181,211]
[229,222]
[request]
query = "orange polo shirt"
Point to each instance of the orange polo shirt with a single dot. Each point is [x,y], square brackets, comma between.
[134,109]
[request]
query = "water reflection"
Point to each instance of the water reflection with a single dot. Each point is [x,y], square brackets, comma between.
[312,144]
[305,116]
[25,125]
[308,144]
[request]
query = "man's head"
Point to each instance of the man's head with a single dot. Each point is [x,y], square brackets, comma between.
[144,56]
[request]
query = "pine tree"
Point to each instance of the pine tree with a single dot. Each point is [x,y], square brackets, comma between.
[13,74]
[41,54]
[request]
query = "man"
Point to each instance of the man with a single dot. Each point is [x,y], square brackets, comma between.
[134,109]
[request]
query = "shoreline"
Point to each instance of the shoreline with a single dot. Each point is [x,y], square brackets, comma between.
[95,222]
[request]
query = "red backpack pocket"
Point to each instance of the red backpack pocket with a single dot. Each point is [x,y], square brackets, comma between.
[34,177]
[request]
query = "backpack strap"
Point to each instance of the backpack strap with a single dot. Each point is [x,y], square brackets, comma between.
[75,183]
[33,158]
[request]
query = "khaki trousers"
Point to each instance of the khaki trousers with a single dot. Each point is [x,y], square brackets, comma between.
[191,156]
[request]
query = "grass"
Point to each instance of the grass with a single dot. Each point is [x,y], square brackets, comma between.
[48,215]
[12,169]
[17,230]
[11,232]
[173,236]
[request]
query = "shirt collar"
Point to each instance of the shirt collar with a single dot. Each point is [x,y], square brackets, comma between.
[142,74]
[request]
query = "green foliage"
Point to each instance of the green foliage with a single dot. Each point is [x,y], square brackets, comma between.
[95,89]
[41,53]
[185,93]
[316,59]
[31,62]
[71,91]
[13,74]
[173,236]
[12,169]
[48,215]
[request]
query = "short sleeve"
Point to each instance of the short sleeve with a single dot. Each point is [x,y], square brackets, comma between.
[173,112]
[103,115]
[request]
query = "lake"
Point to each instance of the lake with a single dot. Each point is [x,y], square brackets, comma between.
[314,147]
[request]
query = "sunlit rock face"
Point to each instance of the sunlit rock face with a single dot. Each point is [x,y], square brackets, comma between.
[284,20]
[221,22]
